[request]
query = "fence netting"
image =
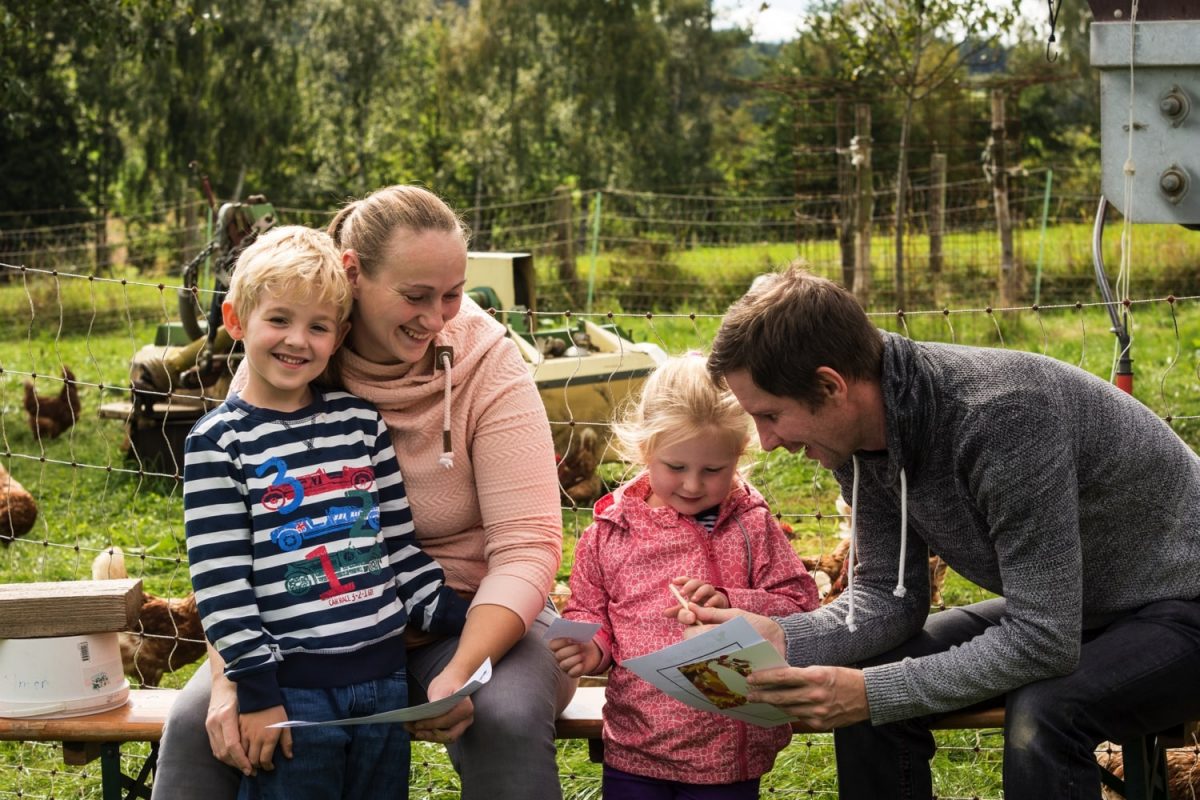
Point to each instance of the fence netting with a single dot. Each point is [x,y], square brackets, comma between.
[622,279]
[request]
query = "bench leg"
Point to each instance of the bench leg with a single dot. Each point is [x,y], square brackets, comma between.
[1145,763]
[110,770]
[596,751]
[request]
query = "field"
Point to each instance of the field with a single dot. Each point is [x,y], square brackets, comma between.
[92,493]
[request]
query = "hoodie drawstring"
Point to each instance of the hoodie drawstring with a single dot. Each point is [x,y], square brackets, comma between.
[900,590]
[446,459]
[853,546]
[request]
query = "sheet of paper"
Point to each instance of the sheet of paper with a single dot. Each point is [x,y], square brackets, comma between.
[423,711]
[569,629]
[709,671]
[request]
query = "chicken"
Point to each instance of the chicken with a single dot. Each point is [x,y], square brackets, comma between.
[833,567]
[18,509]
[50,417]
[168,635]
[560,595]
[577,476]
[1183,771]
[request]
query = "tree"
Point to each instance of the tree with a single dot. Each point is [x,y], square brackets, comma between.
[916,46]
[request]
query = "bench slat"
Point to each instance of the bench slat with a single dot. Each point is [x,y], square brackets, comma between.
[139,720]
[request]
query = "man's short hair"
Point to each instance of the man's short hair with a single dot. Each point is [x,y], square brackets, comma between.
[788,325]
[291,260]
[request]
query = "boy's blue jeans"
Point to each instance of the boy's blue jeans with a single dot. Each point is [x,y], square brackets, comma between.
[339,762]
[1136,676]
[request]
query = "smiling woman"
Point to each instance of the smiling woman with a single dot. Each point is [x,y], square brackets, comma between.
[485,509]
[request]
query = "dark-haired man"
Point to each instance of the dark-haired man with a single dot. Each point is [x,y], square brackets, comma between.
[1035,480]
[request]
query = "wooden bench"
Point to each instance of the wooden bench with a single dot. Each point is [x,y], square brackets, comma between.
[141,720]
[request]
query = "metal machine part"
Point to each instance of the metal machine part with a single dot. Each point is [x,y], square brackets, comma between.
[1162,152]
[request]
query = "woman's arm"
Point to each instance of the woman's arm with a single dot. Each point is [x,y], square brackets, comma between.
[490,632]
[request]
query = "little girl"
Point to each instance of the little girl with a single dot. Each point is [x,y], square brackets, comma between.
[688,520]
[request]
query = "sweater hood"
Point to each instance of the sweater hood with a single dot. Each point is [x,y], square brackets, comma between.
[471,334]
[910,407]
[910,403]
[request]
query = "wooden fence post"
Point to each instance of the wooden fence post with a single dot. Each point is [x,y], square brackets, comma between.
[937,211]
[864,207]
[564,235]
[1007,276]
[845,206]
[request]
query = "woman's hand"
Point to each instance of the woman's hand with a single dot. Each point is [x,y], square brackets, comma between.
[454,723]
[222,725]
[577,658]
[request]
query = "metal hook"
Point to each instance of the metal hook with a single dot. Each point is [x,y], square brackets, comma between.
[1050,43]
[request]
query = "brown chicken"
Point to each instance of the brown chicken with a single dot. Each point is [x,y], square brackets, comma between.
[1183,771]
[50,417]
[577,476]
[168,634]
[18,509]
[829,571]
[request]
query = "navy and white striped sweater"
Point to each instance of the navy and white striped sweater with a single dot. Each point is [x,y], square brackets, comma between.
[301,544]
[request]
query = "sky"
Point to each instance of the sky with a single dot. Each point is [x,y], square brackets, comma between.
[778,20]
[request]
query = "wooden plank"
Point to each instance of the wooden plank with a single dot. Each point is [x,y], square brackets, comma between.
[139,720]
[582,718]
[68,608]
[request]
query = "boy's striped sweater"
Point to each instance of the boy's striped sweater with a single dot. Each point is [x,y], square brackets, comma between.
[301,545]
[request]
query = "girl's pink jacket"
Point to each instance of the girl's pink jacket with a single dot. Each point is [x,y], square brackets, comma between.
[623,563]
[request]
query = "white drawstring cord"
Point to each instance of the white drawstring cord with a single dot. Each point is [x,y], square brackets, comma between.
[900,591]
[446,459]
[853,546]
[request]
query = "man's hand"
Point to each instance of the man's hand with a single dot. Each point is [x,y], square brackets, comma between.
[449,726]
[820,698]
[259,740]
[222,726]
[707,617]
[576,658]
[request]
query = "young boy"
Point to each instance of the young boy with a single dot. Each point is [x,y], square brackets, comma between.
[300,539]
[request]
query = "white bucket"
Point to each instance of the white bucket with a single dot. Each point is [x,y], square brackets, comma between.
[64,676]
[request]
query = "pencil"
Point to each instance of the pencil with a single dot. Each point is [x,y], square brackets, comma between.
[679,596]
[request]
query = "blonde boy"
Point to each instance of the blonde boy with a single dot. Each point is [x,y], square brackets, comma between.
[300,539]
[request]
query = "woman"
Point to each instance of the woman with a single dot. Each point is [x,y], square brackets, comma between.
[478,464]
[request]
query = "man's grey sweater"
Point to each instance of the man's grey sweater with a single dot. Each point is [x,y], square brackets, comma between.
[1030,478]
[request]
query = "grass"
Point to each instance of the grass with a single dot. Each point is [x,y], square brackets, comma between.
[91,495]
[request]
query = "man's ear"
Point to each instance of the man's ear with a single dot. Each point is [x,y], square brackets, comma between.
[232,324]
[833,386]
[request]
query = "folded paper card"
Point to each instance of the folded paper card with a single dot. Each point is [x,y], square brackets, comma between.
[569,629]
[410,714]
[709,671]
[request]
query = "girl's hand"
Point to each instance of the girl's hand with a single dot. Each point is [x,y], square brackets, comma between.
[577,658]
[454,723]
[260,741]
[696,592]
[222,726]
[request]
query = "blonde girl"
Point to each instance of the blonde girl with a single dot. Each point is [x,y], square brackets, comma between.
[688,521]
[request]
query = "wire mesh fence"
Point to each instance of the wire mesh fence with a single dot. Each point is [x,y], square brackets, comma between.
[79,317]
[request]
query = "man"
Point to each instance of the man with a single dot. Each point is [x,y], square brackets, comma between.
[1029,477]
